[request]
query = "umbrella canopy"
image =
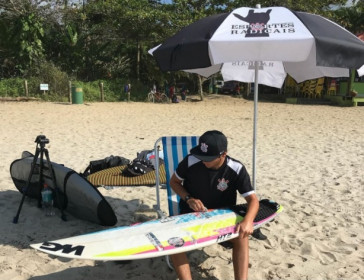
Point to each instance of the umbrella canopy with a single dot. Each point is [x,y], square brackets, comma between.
[271,73]
[309,46]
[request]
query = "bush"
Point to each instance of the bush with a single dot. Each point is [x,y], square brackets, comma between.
[59,91]
[47,73]
[113,91]
[12,87]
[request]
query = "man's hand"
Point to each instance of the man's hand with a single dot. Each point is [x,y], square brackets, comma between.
[196,205]
[245,228]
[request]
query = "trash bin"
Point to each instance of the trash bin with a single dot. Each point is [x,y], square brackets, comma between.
[77,95]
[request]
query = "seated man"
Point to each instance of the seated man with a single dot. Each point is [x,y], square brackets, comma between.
[208,179]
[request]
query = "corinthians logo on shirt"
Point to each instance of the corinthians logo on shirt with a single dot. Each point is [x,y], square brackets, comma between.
[259,26]
[222,185]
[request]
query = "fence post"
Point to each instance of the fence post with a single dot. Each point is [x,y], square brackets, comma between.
[26,88]
[101,85]
[69,91]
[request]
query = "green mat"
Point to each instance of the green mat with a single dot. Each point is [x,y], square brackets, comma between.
[113,177]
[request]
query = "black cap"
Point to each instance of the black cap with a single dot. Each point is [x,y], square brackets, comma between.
[211,145]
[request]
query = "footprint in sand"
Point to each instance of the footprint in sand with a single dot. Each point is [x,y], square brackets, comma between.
[317,251]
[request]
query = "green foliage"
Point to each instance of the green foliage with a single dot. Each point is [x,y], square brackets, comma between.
[48,73]
[352,18]
[12,87]
[27,36]
[311,6]
[71,35]
[113,90]
[91,91]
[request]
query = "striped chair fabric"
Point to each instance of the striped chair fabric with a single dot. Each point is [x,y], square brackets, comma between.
[175,148]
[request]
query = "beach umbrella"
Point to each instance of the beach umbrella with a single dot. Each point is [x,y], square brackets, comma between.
[298,39]
[309,46]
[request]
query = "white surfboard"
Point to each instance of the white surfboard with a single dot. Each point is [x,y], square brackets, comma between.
[156,238]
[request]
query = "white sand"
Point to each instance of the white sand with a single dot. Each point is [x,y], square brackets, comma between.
[310,159]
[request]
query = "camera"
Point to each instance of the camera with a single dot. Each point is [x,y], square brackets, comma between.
[41,139]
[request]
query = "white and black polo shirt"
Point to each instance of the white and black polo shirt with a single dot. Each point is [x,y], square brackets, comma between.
[215,188]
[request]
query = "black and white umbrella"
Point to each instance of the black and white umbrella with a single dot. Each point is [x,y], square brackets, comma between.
[300,40]
[309,46]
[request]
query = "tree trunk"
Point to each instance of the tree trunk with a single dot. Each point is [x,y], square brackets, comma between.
[26,88]
[138,60]
[70,92]
[200,87]
[101,85]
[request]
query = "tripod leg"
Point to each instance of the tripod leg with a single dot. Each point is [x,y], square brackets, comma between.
[25,190]
[41,169]
[56,188]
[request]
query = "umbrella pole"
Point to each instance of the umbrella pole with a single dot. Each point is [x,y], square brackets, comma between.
[256,83]
[256,233]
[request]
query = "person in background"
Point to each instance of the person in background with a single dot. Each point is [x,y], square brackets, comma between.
[129,91]
[171,92]
[207,179]
[237,89]
[183,92]
[126,89]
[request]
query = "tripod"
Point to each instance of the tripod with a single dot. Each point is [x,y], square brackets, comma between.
[40,151]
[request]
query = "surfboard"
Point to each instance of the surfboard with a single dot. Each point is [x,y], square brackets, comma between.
[77,196]
[161,237]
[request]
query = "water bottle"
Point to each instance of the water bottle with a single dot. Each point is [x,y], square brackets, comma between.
[47,198]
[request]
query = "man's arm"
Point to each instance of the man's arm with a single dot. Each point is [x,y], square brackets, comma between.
[193,203]
[246,228]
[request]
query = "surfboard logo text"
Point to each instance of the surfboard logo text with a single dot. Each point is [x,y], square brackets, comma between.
[155,241]
[66,248]
[167,219]
[176,242]
[223,237]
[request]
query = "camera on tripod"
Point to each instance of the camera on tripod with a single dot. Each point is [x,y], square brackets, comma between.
[41,139]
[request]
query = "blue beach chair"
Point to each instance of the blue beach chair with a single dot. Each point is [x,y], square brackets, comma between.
[174,148]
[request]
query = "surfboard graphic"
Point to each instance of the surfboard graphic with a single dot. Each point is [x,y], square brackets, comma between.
[161,237]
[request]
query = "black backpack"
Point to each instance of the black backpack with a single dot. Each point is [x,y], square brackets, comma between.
[140,165]
[101,164]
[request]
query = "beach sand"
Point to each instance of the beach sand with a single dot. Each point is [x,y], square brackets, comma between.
[310,159]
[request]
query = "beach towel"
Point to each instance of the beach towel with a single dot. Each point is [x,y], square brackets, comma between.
[114,177]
